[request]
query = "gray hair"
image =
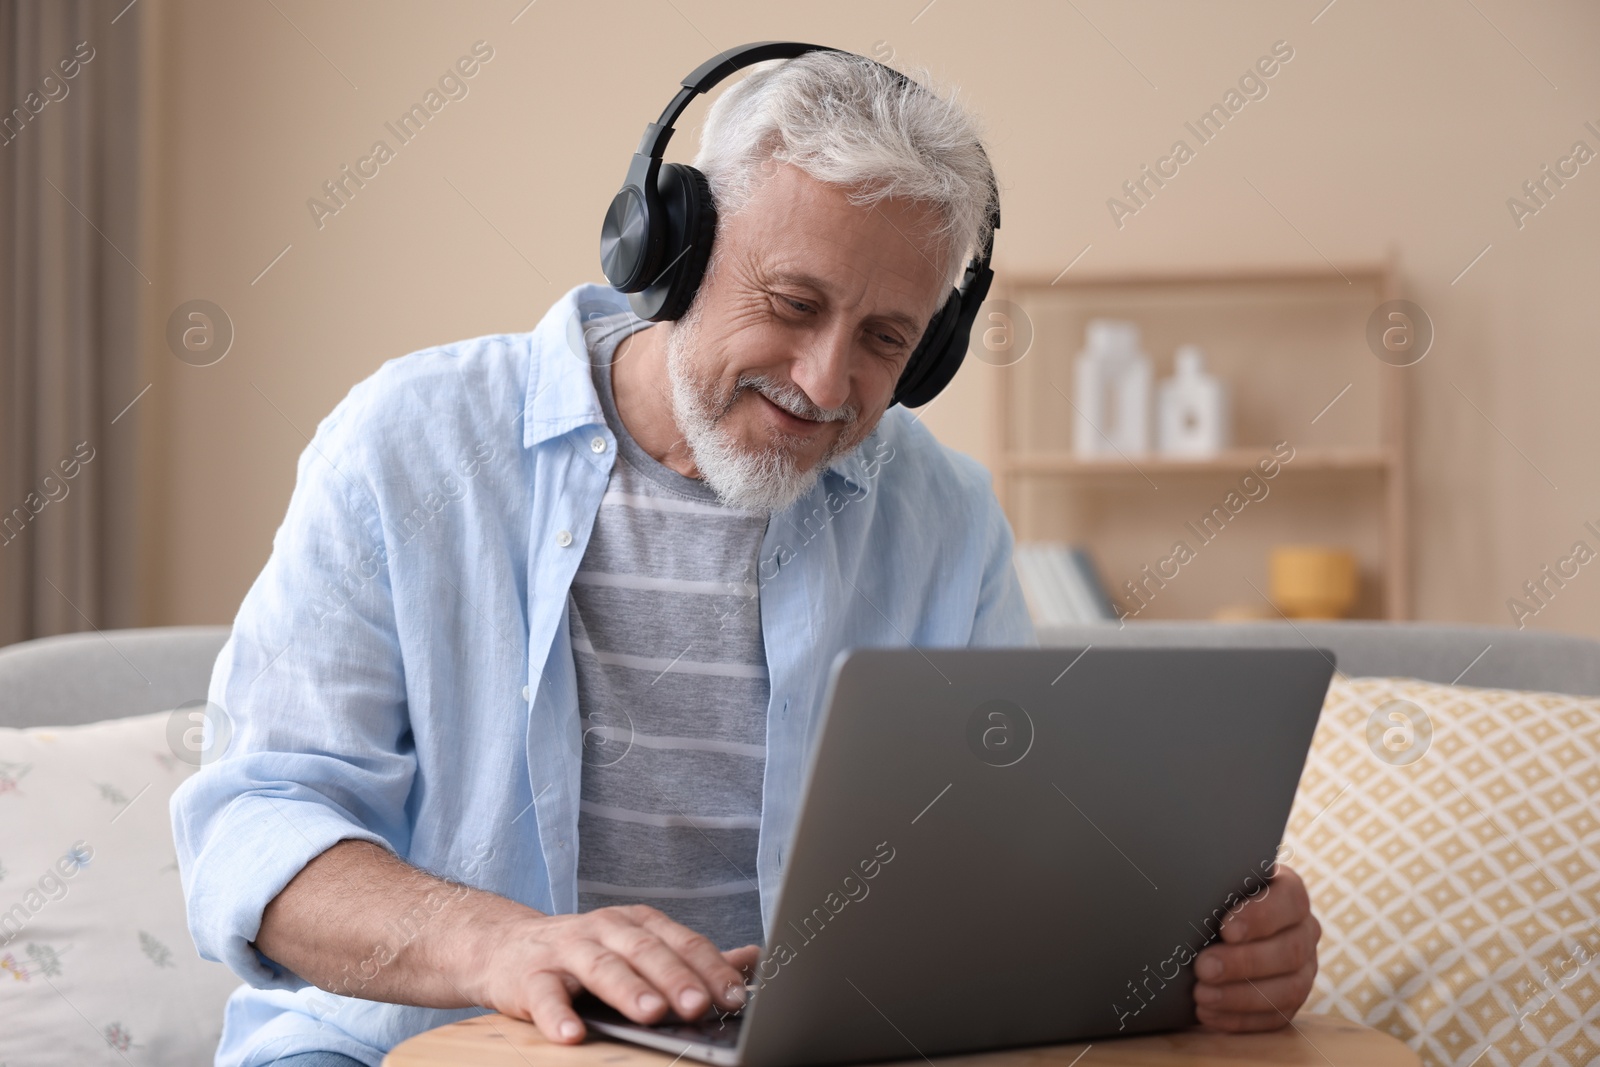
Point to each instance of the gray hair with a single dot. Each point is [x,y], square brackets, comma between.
[845,120]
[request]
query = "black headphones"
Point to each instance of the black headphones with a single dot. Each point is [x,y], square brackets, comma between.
[656,239]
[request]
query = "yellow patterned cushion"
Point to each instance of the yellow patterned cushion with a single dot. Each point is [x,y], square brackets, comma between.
[1450,840]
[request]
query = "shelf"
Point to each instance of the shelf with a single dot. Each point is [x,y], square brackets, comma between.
[1286,338]
[1231,461]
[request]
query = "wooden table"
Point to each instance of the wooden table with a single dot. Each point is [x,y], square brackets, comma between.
[1313,1040]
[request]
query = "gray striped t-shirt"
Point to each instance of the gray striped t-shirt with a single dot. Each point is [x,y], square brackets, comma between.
[672,689]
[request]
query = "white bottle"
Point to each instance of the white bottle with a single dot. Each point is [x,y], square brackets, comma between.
[1191,409]
[1112,379]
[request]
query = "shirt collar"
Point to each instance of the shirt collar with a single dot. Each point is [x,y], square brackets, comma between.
[561,394]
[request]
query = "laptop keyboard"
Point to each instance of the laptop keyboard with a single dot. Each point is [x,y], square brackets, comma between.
[716,1027]
[710,1030]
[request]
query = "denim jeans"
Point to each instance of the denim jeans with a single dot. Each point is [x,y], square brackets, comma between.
[318,1059]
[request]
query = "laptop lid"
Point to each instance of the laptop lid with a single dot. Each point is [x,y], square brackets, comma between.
[1008,847]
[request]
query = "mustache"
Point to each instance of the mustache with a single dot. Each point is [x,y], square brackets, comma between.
[791,398]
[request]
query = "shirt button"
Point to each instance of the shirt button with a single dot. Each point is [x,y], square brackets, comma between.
[524,694]
[598,444]
[564,538]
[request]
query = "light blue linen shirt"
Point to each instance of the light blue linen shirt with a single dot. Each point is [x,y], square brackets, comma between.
[401,673]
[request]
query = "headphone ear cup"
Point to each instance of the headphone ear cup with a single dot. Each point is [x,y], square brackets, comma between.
[925,373]
[690,216]
[627,245]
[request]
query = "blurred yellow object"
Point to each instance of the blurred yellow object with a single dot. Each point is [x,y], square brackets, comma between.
[1257,612]
[1313,581]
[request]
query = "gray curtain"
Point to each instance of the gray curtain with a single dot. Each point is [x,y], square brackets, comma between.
[71,283]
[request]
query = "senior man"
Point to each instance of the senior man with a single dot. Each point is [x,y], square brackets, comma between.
[522,696]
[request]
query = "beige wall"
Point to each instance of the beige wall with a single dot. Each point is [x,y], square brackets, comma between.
[1404,124]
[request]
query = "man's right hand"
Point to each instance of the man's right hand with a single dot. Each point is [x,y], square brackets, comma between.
[634,958]
[336,924]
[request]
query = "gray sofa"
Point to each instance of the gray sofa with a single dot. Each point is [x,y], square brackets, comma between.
[111,674]
[85,678]
[1485,656]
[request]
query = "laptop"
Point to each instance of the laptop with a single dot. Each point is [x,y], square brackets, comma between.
[1012,847]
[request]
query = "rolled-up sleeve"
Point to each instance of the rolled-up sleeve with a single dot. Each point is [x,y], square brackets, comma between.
[312,684]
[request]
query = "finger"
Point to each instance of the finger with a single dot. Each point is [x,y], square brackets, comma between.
[716,973]
[1281,904]
[1285,993]
[1282,953]
[606,974]
[1241,1022]
[744,959]
[656,962]
[550,1009]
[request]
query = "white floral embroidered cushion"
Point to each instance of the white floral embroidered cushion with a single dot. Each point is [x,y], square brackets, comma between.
[95,953]
[1450,840]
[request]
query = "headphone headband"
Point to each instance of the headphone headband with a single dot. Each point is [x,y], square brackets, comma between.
[665,214]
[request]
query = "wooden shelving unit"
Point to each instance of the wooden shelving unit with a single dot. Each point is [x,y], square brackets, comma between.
[1288,342]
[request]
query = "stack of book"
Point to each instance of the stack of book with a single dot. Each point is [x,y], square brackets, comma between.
[1061,584]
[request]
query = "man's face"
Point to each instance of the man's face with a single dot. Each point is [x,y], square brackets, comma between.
[791,352]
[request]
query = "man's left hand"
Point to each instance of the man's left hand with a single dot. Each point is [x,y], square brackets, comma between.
[1261,971]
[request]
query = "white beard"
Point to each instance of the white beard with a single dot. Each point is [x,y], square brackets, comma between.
[767,479]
